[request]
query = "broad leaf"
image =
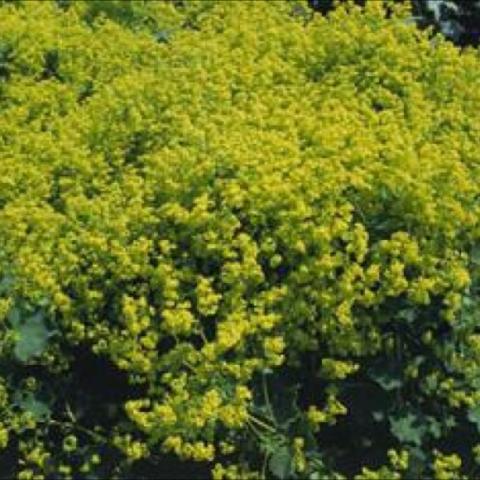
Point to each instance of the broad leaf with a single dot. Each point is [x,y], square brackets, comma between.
[407,429]
[29,403]
[162,36]
[5,284]
[32,339]
[474,416]
[280,463]
[14,317]
[475,255]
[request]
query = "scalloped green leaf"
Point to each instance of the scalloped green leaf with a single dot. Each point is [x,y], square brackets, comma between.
[33,337]
[407,429]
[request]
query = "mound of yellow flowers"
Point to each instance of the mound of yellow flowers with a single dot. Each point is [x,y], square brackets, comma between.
[237,239]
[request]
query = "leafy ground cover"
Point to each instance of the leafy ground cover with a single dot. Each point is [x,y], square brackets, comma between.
[237,240]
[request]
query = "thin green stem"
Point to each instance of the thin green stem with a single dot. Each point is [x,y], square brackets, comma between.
[254,430]
[75,426]
[202,335]
[267,400]
[264,466]
[262,424]
[70,413]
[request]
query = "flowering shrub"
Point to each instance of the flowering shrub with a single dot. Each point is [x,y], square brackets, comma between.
[236,241]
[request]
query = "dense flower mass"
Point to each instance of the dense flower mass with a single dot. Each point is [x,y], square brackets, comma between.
[238,236]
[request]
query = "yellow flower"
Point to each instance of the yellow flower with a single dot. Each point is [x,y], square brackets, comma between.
[173,443]
[207,299]
[446,467]
[316,417]
[299,459]
[165,414]
[337,369]
[178,321]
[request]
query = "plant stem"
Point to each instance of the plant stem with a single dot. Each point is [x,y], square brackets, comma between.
[262,424]
[267,400]
[264,466]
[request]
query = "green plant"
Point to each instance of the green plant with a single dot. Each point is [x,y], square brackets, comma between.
[236,240]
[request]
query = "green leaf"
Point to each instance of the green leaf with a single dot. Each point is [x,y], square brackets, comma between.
[33,337]
[417,461]
[5,284]
[430,384]
[14,317]
[475,255]
[29,403]
[406,429]
[162,36]
[407,314]
[474,416]
[271,442]
[280,463]
[449,421]
[434,427]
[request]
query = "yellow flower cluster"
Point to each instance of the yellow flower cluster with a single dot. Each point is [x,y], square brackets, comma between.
[133,449]
[328,414]
[207,299]
[233,472]
[447,467]
[198,194]
[197,451]
[337,369]
[299,459]
[395,471]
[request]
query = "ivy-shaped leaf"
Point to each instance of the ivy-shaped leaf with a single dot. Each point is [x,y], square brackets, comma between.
[407,429]
[32,334]
[162,36]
